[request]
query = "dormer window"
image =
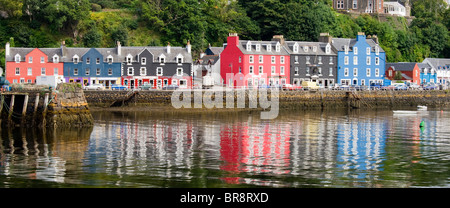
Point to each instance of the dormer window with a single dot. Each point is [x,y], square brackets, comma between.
[162,60]
[42,59]
[109,59]
[129,59]
[277,47]
[328,49]
[377,50]
[355,50]
[88,60]
[305,48]
[98,61]
[346,49]
[368,50]
[143,61]
[249,46]
[75,59]
[258,47]
[425,71]
[314,48]
[269,47]
[55,59]
[179,59]
[17,58]
[295,48]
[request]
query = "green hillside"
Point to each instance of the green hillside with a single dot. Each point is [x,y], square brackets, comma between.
[100,23]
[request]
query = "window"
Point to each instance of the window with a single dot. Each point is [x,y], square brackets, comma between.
[55,59]
[368,60]
[22,80]
[355,4]
[179,71]
[331,60]
[305,48]
[250,70]
[377,72]
[273,70]
[261,59]
[363,82]
[75,71]
[368,72]
[307,60]
[29,81]
[98,61]
[340,4]
[258,47]
[143,71]
[346,60]
[320,71]
[282,59]
[314,48]
[319,59]
[30,71]
[17,58]
[261,70]
[110,59]
[42,60]
[249,46]
[390,73]
[296,71]
[159,71]
[18,71]
[30,59]
[355,60]
[88,60]
[377,50]
[129,59]
[88,71]
[162,60]
[42,71]
[346,72]
[295,48]
[355,72]
[130,71]
[240,59]
[281,70]
[55,71]
[277,47]
[75,59]
[355,50]
[250,59]
[240,69]
[346,49]
[269,47]
[368,50]
[273,59]
[296,59]
[377,61]
[328,49]
[307,71]
[98,71]
[331,72]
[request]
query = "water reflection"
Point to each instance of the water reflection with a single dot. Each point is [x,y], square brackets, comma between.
[43,154]
[298,149]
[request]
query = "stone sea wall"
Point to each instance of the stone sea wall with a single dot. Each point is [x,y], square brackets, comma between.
[290,99]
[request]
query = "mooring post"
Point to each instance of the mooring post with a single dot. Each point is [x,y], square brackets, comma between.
[36,103]
[45,102]
[25,105]
[1,105]
[11,107]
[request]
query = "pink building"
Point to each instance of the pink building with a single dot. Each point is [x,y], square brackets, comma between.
[246,63]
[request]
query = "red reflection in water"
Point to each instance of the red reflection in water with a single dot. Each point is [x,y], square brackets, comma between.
[255,149]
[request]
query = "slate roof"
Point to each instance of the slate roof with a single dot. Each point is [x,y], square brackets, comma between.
[402,66]
[319,45]
[340,43]
[205,60]
[437,62]
[263,48]
[21,51]
[214,50]
[423,66]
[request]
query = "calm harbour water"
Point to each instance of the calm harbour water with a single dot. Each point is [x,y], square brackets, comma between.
[298,149]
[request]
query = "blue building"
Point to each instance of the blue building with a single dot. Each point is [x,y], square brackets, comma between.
[361,61]
[427,74]
[92,66]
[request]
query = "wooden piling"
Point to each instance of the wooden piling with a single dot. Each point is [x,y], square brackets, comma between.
[11,107]
[1,105]
[36,103]
[25,105]
[45,102]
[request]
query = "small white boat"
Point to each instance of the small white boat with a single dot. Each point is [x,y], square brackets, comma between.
[421,107]
[404,112]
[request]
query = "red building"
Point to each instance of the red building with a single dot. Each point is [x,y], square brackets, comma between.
[407,72]
[252,63]
[23,65]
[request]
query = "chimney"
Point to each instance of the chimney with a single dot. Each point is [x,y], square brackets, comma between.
[278,38]
[119,48]
[188,46]
[168,47]
[63,48]
[233,39]
[360,35]
[7,49]
[375,39]
[325,38]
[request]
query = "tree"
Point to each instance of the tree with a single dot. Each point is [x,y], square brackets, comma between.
[92,38]
[120,34]
[12,7]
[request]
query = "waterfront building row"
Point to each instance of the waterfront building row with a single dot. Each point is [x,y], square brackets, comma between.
[129,66]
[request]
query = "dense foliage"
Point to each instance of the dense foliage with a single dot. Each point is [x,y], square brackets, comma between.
[101,23]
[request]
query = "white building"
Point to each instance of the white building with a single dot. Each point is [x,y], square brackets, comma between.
[394,8]
[442,68]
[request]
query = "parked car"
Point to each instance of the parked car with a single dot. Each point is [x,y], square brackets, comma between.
[344,87]
[362,87]
[310,85]
[375,86]
[430,87]
[94,87]
[412,85]
[146,87]
[400,86]
[288,87]
[170,87]
[118,87]
[390,87]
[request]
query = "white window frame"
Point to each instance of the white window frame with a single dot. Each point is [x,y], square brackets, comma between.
[251,69]
[273,60]
[55,59]
[355,72]
[346,72]
[143,71]
[282,59]
[377,72]
[368,72]
[368,60]
[30,59]
[97,61]
[305,48]
[179,71]
[128,71]
[17,58]
[110,71]
[330,73]
[346,60]
[258,47]
[249,46]
[269,47]
[55,71]
[159,71]
[17,71]
[355,50]
[261,59]
[319,60]
[42,59]
[88,60]
[87,71]
[98,71]
[377,61]
[281,70]
[355,60]
[308,59]
[295,48]
[29,71]
[43,70]
[331,60]
[278,47]
[296,72]
[273,70]
[250,59]
[377,50]
[368,50]
[261,70]
[75,71]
